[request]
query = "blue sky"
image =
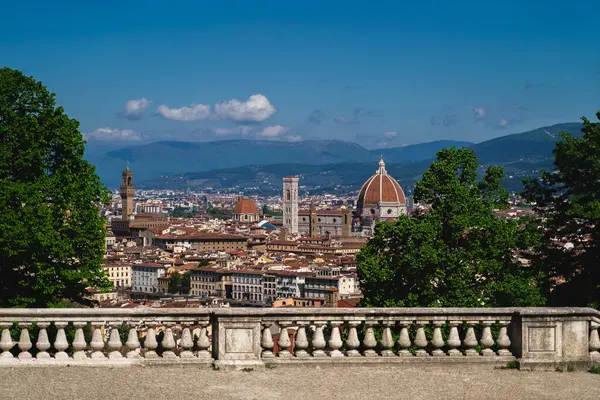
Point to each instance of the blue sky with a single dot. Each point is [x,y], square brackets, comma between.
[377,73]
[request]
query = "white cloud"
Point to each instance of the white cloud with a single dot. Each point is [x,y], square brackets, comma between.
[256,109]
[390,134]
[193,112]
[503,122]
[134,109]
[273,131]
[479,113]
[114,134]
[293,138]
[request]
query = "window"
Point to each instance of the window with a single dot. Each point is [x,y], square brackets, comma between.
[389,211]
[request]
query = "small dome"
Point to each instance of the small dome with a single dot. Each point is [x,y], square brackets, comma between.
[245,206]
[381,188]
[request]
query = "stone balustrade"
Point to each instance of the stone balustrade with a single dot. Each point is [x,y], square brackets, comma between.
[253,337]
[109,336]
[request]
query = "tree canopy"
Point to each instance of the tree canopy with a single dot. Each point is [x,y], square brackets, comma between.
[459,253]
[567,201]
[52,236]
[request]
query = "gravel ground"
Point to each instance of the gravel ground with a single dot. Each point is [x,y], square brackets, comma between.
[305,383]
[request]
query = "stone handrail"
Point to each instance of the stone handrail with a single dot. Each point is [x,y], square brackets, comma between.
[250,337]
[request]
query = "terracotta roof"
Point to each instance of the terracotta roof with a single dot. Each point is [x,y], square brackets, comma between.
[245,206]
[381,187]
[201,235]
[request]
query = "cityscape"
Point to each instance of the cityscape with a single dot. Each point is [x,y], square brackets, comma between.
[388,200]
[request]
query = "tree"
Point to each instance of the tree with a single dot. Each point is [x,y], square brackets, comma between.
[459,254]
[179,284]
[567,201]
[51,234]
[174,283]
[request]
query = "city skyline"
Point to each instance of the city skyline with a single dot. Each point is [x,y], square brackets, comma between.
[381,76]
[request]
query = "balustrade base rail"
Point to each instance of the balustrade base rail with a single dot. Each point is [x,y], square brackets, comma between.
[242,338]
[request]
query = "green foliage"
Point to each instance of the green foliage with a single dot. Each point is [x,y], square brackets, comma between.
[512,365]
[179,284]
[595,369]
[51,233]
[459,254]
[181,212]
[174,283]
[567,201]
[221,213]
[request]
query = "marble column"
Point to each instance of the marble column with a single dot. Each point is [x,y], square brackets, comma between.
[369,341]
[352,343]
[404,339]
[43,343]
[335,340]
[301,341]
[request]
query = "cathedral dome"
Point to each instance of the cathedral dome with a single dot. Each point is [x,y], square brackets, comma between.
[380,188]
[245,206]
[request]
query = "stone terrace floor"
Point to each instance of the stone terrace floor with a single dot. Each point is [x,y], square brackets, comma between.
[305,383]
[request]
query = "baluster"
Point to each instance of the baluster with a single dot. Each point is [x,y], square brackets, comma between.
[318,342]
[352,342]
[168,342]
[369,341]
[97,342]
[6,343]
[487,341]
[43,343]
[24,341]
[453,339]
[421,339]
[114,342]
[284,340]
[150,343]
[133,343]
[301,342]
[594,340]
[335,340]
[503,339]
[266,341]
[187,342]
[437,340]
[387,341]
[61,343]
[79,343]
[203,342]
[404,339]
[470,341]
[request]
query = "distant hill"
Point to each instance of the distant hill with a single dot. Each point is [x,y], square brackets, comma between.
[170,157]
[536,144]
[331,161]
[522,155]
[417,152]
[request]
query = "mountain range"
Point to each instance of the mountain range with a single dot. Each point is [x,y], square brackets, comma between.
[322,164]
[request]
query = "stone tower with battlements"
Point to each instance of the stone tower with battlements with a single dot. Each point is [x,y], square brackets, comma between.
[127,193]
[290,204]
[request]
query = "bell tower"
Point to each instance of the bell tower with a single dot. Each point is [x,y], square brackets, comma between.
[290,204]
[127,192]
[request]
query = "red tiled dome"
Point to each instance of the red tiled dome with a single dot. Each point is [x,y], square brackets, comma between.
[245,206]
[381,187]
